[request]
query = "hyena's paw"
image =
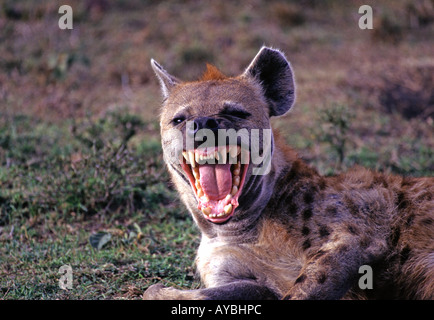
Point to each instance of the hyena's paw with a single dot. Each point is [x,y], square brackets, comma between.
[160,292]
[155,292]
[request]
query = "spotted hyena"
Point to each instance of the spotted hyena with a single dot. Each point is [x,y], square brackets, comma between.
[278,229]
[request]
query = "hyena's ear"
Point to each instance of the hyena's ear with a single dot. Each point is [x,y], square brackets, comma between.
[273,72]
[167,81]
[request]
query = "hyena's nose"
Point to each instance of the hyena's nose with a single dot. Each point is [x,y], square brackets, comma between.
[203,123]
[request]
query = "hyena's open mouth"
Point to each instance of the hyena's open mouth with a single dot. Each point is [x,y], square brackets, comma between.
[217,177]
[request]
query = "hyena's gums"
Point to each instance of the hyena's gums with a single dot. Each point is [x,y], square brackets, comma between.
[290,233]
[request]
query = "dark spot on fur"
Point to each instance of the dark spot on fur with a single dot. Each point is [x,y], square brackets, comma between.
[295,168]
[343,248]
[427,221]
[407,182]
[331,210]
[326,260]
[306,244]
[352,229]
[323,231]
[322,184]
[409,221]
[394,238]
[300,279]
[322,278]
[352,207]
[305,231]
[308,196]
[307,214]
[380,180]
[402,201]
[364,242]
[405,253]
[293,208]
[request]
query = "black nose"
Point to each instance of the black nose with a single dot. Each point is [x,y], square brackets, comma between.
[203,123]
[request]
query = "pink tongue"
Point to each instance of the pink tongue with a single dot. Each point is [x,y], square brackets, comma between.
[216,180]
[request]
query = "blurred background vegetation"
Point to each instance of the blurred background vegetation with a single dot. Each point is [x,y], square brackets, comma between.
[79,135]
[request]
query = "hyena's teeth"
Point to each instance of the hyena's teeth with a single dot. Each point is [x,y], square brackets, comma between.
[233,151]
[216,155]
[185,155]
[234,190]
[198,157]
[227,209]
[206,211]
[236,180]
[200,193]
[191,159]
[228,197]
[223,156]
[237,169]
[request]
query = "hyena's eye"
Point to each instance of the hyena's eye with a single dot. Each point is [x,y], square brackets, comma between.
[234,111]
[178,120]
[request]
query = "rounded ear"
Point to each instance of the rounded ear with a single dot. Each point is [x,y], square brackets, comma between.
[274,73]
[167,81]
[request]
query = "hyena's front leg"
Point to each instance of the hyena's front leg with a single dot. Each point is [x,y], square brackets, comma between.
[239,290]
[330,272]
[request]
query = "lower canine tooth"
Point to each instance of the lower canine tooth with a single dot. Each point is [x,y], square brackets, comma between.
[206,211]
[227,209]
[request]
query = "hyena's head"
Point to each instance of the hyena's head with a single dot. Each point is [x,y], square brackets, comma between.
[216,132]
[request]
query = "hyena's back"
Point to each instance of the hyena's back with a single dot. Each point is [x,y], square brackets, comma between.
[413,237]
[406,210]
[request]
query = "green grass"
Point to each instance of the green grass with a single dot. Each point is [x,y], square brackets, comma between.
[62,183]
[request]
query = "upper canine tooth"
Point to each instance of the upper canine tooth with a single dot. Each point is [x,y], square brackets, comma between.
[191,158]
[185,155]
